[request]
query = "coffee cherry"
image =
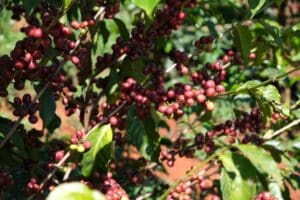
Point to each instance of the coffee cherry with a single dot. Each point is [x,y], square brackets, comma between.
[80,148]
[87,145]
[209,105]
[252,56]
[220,88]
[113,121]
[33,119]
[59,155]
[210,92]
[209,84]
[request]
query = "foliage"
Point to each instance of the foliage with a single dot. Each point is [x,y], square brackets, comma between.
[226,73]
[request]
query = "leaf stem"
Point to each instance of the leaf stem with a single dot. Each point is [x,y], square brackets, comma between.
[276,78]
[288,126]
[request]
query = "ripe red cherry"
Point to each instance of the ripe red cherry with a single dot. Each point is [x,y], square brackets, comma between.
[113,121]
[59,155]
[220,88]
[252,56]
[210,84]
[210,92]
[87,145]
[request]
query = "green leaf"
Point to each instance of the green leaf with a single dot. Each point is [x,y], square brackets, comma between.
[133,69]
[147,5]
[142,134]
[242,40]
[47,106]
[256,6]
[29,5]
[100,153]
[74,191]
[67,4]
[275,33]
[262,160]
[224,112]
[54,124]
[238,178]
[122,28]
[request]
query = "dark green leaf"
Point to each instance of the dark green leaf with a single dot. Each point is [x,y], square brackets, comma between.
[100,153]
[54,124]
[133,69]
[74,191]
[242,40]
[29,5]
[122,28]
[262,160]
[142,134]
[47,106]
[147,5]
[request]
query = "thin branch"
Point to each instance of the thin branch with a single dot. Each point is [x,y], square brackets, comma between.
[288,126]
[193,171]
[276,78]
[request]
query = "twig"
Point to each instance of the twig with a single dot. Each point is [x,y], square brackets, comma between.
[193,171]
[246,89]
[288,126]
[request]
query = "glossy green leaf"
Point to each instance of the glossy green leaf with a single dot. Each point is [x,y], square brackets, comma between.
[147,5]
[142,134]
[242,40]
[256,6]
[262,160]
[238,178]
[74,191]
[100,153]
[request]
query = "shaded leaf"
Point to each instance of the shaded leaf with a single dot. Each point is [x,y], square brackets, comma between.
[100,153]
[242,40]
[142,134]
[29,5]
[47,106]
[122,28]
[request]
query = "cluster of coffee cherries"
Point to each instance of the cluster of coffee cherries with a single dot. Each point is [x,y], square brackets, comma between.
[169,18]
[32,137]
[78,143]
[110,187]
[241,129]
[26,106]
[111,7]
[6,180]
[204,43]
[32,186]
[198,183]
